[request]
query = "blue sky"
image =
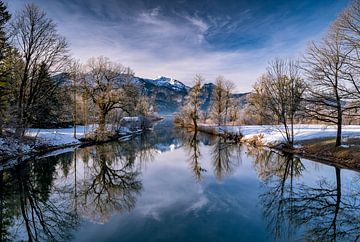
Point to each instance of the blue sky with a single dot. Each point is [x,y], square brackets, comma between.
[181,38]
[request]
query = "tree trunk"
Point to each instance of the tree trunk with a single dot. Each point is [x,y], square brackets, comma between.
[102,118]
[195,123]
[338,199]
[20,129]
[339,126]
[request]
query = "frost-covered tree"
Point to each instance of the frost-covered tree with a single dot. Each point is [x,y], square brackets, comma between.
[190,114]
[219,100]
[228,88]
[234,111]
[195,102]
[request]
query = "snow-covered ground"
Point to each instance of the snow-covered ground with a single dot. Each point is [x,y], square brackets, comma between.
[271,135]
[48,137]
[57,137]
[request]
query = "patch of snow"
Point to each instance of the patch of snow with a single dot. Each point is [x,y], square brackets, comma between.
[131,119]
[274,135]
[168,82]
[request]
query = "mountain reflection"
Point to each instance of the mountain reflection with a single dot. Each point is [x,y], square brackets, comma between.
[317,212]
[52,198]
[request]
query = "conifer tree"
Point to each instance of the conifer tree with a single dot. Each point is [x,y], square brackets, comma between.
[4,47]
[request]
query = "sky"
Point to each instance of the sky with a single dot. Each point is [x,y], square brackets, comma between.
[182,38]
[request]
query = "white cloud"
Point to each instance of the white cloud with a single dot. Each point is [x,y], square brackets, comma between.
[153,44]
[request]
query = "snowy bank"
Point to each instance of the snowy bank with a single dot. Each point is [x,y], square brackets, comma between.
[36,138]
[58,137]
[45,140]
[272,135]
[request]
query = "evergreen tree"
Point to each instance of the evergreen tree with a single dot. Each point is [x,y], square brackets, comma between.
[4,47]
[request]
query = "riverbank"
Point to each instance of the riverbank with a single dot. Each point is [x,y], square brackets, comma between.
[41,141]
[316,142]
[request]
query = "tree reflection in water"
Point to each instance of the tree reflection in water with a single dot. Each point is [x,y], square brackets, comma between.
[110,182]
[30,208]
[322,212]
[225,156]
[191,143]
[43,199]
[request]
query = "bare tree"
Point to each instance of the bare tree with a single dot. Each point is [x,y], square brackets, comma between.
[348,26]
[194,101]
[234,110]
[42,50]
[76,75]
[102,84]
[219,98]
[328,98]
[348,23]
[191,110]
[277,96]
[228,86]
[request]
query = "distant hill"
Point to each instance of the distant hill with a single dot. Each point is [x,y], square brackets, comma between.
[169,94]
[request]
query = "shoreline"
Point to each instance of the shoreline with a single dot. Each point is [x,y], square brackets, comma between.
[45,149]
[260,139]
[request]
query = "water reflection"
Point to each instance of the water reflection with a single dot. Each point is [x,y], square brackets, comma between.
[110,182]
[263,195]
[319,210]
[226,157]
[192,144]
[31,209]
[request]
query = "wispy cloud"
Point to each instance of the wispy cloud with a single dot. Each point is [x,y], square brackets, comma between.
[182,38]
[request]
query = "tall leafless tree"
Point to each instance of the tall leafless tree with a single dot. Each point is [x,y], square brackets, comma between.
[328,99]
[41,49]
[228,88]
[102,83]
[348,26]
[219,97]
[190,113]
[277,96]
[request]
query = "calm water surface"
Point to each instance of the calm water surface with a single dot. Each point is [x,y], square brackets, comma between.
[169,185]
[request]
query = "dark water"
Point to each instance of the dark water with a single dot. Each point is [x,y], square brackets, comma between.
[169,185]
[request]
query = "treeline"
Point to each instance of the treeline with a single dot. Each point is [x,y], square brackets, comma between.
[322,86]
[42,86]
[224,109]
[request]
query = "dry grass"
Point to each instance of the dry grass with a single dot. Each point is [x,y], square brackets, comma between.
[255,140]
[347,155]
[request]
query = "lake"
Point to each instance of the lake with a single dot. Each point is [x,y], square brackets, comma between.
[170,185]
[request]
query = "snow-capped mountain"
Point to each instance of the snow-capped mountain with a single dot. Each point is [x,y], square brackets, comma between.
[164,82]
[169,94]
